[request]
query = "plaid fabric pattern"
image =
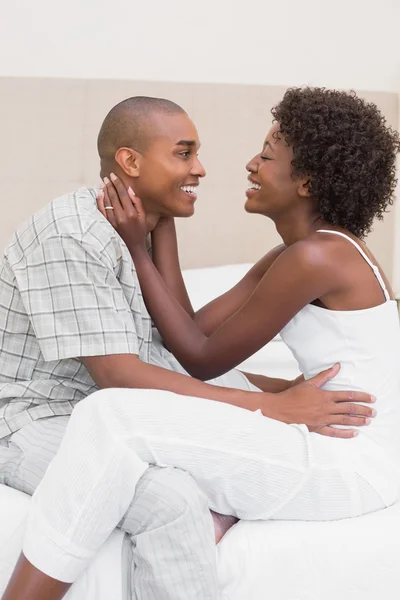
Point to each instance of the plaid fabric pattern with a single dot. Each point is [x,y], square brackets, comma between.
[68,288]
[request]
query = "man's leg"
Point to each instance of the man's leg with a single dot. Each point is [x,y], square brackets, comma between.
[29,451]
[168,521]
[173,538]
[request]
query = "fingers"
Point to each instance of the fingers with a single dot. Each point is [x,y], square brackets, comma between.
[100,203]
[350,420]
[110,214]
[113,197]
[325,376]
[136,201]
[121,193]
[349,396]
[354,409]
[337,433]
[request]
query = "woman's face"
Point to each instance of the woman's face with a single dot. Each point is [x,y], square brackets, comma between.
[273,189]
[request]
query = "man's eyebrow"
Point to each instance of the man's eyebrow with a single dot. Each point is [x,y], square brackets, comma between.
[186,143]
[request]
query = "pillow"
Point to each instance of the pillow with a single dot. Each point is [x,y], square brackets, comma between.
[205,284]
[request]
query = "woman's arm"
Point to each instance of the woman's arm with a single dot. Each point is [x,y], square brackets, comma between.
[213,314]
[290,284]
[208,318]
[166,259]
[296,278]
[216,312]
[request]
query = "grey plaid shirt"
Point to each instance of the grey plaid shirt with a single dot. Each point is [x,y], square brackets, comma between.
[68,288]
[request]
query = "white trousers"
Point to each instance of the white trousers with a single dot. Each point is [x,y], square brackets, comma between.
[248,465]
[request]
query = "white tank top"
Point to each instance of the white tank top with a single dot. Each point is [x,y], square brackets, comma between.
[366,343]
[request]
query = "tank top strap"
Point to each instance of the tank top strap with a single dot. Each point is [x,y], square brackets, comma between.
[363,254]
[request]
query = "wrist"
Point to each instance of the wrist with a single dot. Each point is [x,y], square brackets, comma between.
[272,385]
[138,249]
[270,406]
[243,399]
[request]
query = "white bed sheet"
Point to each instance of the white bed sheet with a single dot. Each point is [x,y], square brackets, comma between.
[354,559]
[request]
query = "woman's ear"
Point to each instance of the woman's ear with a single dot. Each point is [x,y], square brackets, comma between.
[304,187]
[129,161]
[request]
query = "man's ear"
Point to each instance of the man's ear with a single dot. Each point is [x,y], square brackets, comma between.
[129,161]
[303,188]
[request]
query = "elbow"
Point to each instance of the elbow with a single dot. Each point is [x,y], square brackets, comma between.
[197,360]
[200,371]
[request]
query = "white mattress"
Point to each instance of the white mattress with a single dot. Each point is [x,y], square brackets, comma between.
[354,559]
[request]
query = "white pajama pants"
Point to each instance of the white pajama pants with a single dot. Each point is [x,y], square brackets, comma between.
[248,466]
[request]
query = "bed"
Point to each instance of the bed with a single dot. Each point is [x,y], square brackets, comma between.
[353,559]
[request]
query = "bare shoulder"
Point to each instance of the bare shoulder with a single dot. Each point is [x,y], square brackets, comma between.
[273,254]
[312,252]
[262,265]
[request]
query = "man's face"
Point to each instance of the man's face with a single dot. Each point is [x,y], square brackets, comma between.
[169,167]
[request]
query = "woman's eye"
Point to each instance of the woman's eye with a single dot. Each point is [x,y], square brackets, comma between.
[264,157]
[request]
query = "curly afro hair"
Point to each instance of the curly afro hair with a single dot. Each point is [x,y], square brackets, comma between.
[343,144]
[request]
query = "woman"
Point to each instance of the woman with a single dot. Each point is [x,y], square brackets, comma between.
[326,170]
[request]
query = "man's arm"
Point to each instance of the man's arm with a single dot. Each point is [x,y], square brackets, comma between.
[128,371]
[273,385]
[305,403]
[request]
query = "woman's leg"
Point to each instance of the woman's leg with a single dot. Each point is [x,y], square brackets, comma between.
[248,465]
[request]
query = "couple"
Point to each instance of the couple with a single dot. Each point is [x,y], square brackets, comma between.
[245,446]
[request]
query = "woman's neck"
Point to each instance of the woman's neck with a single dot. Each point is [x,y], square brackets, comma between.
[298,227]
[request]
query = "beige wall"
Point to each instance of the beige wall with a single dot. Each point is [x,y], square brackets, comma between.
[49,129]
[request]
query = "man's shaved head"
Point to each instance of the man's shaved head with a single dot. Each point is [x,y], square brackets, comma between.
[152,145]
[128,124]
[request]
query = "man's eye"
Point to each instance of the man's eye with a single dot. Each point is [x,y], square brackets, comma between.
[185,154]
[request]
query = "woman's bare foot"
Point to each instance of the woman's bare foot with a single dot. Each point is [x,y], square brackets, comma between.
[221,524]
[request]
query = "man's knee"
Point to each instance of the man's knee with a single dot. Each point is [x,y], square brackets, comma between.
[165,495]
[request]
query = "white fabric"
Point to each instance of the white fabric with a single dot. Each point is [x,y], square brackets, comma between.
[364,255]
[366,343]
[353,559]
[246,464]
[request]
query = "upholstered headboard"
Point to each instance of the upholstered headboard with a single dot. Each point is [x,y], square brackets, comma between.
[48,147]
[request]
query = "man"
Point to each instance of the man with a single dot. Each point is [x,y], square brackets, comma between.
[73,320]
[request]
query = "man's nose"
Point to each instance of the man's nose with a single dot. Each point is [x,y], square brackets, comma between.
[198,168]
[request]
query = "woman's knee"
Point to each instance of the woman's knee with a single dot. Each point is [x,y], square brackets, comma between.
[94,403]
